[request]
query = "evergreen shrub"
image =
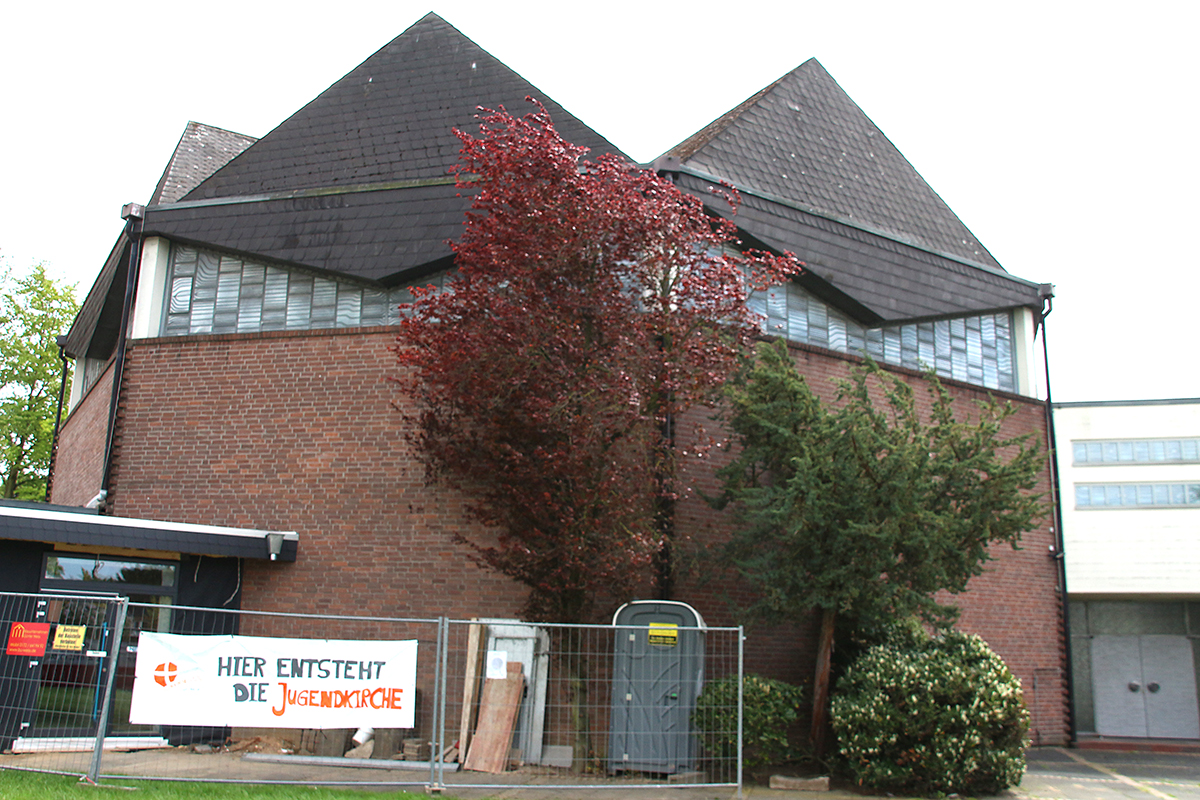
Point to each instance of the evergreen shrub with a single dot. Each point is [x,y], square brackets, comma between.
[769,708]
[931,715]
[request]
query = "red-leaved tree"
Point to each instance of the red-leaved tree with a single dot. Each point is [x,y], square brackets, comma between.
[592,303]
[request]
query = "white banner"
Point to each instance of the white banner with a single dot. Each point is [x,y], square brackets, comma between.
[253,681]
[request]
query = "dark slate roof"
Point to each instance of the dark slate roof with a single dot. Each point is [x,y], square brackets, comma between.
[49,523]
[389,119]
[889,281]
[94,331]
[803,139]
[376,235]
[202,150]
[356,182]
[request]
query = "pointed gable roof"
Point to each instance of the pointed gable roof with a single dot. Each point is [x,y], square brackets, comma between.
[202,150]
[389,119]
[356,183]
[802,139]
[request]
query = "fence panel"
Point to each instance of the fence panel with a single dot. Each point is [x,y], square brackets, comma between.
[498,703]
[58,679]
[590,713]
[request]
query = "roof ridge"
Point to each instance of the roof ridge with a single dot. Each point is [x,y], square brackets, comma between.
[804,138]
[391,117]
[891,236]
[917,172]
[314,191]
[697,140]
[700,138]
[203,159]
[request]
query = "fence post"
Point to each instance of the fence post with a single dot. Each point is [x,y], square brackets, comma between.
[741,686]
[441,726]
[435,755]
[114,652]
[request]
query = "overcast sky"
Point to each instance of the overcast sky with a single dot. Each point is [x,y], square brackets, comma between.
[1063,134]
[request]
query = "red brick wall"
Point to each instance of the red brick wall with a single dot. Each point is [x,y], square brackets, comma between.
[79,463]
[296,431]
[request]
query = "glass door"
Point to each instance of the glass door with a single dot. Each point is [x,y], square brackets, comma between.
[74,671]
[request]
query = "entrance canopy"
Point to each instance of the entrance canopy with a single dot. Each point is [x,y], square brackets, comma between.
[40,522]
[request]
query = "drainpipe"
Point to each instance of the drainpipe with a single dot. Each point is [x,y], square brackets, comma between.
[1046,291]
[133,214]
[61,341]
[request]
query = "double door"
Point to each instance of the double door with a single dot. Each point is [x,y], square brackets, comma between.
[1145,686]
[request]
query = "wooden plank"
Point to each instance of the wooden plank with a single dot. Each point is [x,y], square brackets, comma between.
[498,706]
[470,685]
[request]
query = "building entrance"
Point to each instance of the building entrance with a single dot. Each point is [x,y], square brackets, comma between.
[1145,686]
[72,675]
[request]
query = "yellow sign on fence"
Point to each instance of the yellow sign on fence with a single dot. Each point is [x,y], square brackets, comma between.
[69,637]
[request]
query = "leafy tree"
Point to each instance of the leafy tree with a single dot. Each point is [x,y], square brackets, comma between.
[862,508]
[34,310]
[593,302]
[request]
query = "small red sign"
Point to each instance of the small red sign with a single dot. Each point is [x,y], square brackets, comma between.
[28,639]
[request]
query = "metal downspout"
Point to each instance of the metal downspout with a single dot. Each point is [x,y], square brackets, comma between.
[133,214]
[1047,293]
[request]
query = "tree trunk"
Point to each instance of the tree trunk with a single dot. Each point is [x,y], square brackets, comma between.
[820,715]
[577,685]
[14,471]
[664,571]
[664,514]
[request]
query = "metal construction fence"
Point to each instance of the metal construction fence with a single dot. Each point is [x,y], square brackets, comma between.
[496,703]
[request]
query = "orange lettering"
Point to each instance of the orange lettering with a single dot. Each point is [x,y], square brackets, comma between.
[283,705]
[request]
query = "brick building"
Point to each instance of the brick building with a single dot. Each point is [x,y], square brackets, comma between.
[259,293]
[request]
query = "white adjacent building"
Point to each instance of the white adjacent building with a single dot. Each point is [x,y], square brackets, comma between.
[1130,479]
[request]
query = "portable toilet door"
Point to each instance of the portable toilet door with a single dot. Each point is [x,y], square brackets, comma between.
[658,672]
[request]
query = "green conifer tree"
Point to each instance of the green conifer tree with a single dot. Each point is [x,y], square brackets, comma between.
[864,508]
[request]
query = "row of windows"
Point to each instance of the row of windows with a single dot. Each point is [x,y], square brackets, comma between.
[1128,495]
[214,293]
[1137,451]
[975,349]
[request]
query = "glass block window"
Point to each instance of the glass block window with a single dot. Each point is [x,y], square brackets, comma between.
[1129,495]
[210,292]
[1137,451]
[975,349]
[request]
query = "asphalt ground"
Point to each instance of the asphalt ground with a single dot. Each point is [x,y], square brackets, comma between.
[1054,773]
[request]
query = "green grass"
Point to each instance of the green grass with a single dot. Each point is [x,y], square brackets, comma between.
[17,785]
[67,707]
[66,700]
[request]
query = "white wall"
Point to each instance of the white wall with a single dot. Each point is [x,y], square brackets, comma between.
[1128,551]
[146,320]
[1028,362]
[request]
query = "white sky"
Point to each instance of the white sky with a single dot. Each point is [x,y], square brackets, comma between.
[1063,134]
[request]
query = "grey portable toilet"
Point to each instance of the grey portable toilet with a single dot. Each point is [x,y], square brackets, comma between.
[658,672]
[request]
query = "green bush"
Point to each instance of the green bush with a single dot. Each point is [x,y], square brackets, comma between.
[769,707]
[929,715]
